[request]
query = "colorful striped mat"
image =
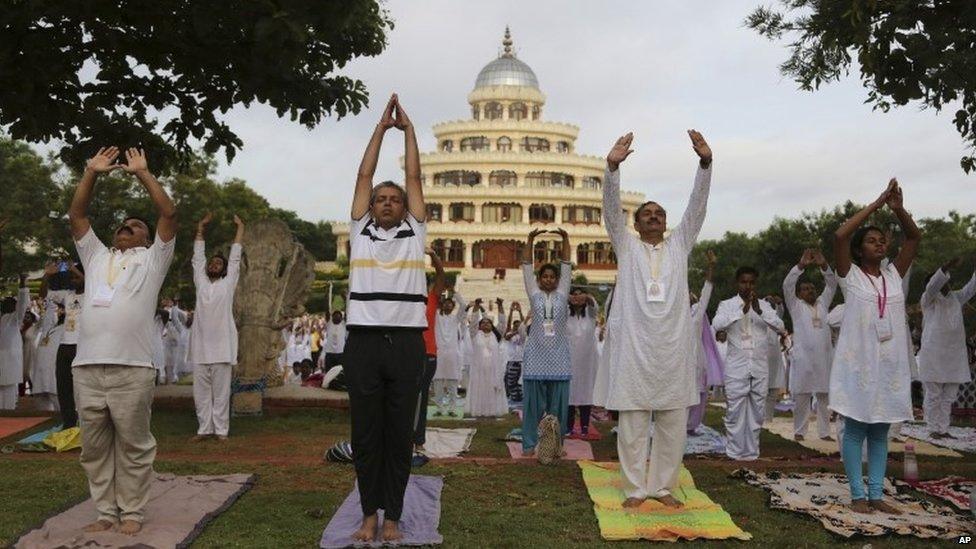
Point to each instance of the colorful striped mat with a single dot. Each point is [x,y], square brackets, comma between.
[700,518]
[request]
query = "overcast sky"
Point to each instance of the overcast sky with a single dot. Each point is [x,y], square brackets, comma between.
[657,68]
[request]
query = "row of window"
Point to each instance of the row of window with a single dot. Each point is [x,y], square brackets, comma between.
[508,178]
[504,144]
[494,110]
[587,253]
[512,213]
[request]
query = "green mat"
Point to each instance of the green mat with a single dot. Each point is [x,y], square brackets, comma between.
[700,518]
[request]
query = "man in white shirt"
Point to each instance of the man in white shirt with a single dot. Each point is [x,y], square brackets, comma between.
[213,334]
[943,361]
[12,312]
[113,371]
[335,340]
[813,351]
[652,359]
[746,319]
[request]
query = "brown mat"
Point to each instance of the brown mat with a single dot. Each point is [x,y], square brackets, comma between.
[179,509]
[10,426]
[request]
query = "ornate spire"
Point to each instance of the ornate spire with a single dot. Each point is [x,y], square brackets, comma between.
[507,44]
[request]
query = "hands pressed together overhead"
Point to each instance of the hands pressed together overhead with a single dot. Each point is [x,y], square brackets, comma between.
[622,149]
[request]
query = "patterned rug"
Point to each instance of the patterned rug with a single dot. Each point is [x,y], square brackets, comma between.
[826,497]
[954,490]
[783,426]
[700,518]
[964,437]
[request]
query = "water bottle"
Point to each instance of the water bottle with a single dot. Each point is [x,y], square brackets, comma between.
[910,473]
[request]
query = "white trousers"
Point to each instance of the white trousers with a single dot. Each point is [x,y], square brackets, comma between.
[655,479]
[211,396]
[8,397]
[170,352]
[937,405]
[746,402]
[444,392]
[801,414]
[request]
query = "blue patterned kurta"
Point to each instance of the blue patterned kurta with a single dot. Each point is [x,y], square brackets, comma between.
[547,358]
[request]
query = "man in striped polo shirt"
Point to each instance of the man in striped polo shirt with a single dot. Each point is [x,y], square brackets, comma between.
[386,318]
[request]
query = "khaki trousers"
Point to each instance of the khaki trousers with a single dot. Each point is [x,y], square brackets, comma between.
[117,449]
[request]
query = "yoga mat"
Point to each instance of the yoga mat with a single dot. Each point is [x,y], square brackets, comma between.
[10,426]
[705,441]
[953,490]
[447,443]
[179,509]
[700,518]
[783,426]
[575,450]
[418,523]
[40,436]
[826,497]
[964,441]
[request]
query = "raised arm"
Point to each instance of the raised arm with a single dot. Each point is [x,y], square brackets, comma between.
[239,235]
[967,292]
[411,162]
[939,279]
[565,268]
[102,162]
[234,260]
[694,216]
[789,283]
[138,165]
[367,167]
[439,278]
[912,236]
[613,214]
[843,234]
[528,272]
[830,279]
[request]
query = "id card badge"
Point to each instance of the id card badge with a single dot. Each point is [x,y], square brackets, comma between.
[549,328]
[817,323]
[746,341]
[883,326]
[655,292]
[103,296]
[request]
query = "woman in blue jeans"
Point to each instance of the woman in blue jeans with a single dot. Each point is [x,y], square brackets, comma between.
[870,382]
[546,365]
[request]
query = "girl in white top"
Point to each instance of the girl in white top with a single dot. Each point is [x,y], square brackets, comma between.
[486,392]
[584,356]
[870,381]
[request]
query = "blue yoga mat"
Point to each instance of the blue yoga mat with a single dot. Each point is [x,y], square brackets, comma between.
[39,437]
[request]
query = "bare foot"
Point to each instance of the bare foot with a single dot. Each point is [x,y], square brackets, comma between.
[669,501]
[367,531]
[880,505]
[798,438]
[391,531]
[100,525]
[631,503]
[130,527]
[861,506]
[828,438]
[222,438]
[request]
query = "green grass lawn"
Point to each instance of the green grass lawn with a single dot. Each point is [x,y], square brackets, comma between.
[485,504]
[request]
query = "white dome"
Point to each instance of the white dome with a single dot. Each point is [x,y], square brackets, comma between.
[506,71]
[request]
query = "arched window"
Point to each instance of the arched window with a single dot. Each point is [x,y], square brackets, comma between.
[456,178]
[462,211]
[536,112]
[504,144]
[447,145]
[502,178]
[435,212]
[501,213]
[542,213]
[494,110]
[562,146]
[518,111]
[595,255]
[548,179]
[592,183]
[475,112]
[479,143]
[583,215]
[531,144]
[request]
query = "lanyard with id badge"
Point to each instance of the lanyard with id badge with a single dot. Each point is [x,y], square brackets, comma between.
[746,338]
[655,287]
[882,324]
[105,291]
[548,318]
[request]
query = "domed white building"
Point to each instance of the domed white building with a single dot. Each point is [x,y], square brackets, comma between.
[505,171]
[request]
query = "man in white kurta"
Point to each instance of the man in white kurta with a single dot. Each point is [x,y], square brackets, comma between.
[813,350]
[213,334]
[943,361]
[651,358]
[746,321]
[12,313]
[448,372]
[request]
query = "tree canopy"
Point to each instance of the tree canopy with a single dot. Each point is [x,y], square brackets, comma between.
[160,73]
[908,51]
